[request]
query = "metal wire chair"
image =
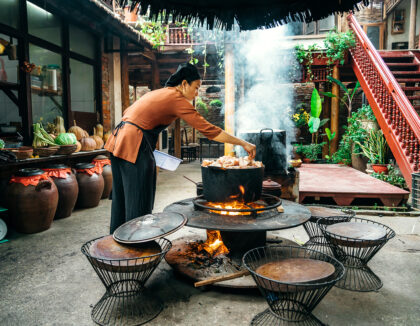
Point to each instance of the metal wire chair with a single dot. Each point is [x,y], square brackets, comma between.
[317,240]
[289,303]
[355,253]
[126,300]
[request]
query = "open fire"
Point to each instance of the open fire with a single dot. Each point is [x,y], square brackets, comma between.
[233,205]
[214,245]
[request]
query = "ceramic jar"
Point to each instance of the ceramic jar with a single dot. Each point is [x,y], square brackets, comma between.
[32,199]
[91,185]
[103,164]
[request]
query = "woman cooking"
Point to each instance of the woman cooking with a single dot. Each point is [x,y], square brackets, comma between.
[132,143]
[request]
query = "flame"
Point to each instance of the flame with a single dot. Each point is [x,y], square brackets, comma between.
[214,244]
[233,205]
[242,190]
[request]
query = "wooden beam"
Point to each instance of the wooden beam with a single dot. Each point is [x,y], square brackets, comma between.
[155,76]
[412,28]
[335,109]
[229,94]
[177,138]
[125,93]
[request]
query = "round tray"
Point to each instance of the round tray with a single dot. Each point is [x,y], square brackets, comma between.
[356,234]
[112,256]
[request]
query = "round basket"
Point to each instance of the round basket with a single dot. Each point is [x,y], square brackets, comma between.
[66,149]
[45,151]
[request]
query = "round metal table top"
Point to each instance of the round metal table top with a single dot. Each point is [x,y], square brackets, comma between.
[357,231]
[149,227]
[320,212]
[294,215]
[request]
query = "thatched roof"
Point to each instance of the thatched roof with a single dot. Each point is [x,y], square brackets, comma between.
[249,14]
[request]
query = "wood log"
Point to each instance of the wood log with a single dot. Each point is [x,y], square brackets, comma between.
[221,278]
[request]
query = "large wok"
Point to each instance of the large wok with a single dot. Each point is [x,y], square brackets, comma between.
[221,185]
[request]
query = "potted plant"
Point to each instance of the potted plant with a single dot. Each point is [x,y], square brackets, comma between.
[300,118]
[311,152]
[375,149]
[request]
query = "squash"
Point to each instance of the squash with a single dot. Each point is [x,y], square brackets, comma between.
[98,130]
[106,136]
[59,125]
[79,147]
[79,132]
[98,140]
[85,134]
[88,144]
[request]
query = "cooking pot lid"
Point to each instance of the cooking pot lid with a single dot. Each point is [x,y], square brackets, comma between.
[84,165]
[149,227]
[28,172]
[270,184]
[100,157]
[56,166]
[264,130]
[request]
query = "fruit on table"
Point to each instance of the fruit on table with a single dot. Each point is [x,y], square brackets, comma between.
[88,144]
[79,132]
[98,140]
[66,139]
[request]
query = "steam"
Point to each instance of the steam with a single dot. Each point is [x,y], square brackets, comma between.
[267,60]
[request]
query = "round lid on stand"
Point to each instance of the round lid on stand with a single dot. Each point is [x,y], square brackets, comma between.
[149,227]
[29,172]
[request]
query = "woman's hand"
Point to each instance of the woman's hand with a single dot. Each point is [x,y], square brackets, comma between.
[251,149]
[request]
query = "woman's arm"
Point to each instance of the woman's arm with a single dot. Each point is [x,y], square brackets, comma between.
[224,137]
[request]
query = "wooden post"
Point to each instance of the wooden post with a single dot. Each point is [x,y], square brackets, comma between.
[335,109]
[177,138]
[135,93]
[125,92]
[326,113]
[412,28]
[229,94]
[155,75]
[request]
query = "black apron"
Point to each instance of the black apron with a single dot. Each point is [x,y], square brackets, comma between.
[134,185]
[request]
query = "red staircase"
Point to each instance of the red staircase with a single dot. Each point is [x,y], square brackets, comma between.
[395,113]
[405,66]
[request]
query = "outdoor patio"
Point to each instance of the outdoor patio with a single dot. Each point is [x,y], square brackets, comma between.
[46,280]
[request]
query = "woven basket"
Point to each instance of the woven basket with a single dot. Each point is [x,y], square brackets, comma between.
[45,151]
[66,149]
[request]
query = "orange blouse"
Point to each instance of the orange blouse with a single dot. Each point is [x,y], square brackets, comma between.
[159,107]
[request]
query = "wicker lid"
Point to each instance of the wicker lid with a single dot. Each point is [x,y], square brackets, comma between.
[149,227]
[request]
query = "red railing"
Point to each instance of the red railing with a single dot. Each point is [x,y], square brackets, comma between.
[396,116]
[178,36]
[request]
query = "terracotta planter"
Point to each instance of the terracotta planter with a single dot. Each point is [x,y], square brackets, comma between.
[307,160]
[380,168]
[67,187]
[91,185]
[31,207]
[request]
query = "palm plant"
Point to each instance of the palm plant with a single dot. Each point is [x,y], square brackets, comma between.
[349,93]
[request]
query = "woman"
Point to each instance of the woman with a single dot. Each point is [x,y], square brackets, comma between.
[132,143]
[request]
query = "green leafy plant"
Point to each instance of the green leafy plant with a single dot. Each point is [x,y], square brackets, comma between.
[393,177]
[201,106]
[374,147]
[311,151]
[2,143]
[306,55]
[330,137]
[155,32]
[349,93]
[337,44]
[314,122]
[217,103]
[301,116]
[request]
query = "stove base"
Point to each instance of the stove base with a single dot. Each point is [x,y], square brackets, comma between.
[180,259]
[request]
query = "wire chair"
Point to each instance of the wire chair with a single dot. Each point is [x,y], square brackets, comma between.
[289,303]
[126,300]
[355,253]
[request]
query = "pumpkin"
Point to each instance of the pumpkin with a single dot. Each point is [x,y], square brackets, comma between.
[79,147]
[98,140]
[59,125]
[106,136]
[65,139]
[88,144]
[98,130]
[79,132]
[85,134]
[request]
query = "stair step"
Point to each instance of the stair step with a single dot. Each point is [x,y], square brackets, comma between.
[402,66]
[414,97]
[408,80]
[410,89]
[395,54]
[406,73]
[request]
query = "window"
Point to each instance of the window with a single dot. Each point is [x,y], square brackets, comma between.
[46,84]
[43,24]
[82,87]
[8,60]
[82,42]
[319,27]
[9,12]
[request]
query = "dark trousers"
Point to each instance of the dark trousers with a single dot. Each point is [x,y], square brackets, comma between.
[133,187]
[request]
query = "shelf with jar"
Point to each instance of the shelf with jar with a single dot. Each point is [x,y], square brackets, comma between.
[46,80]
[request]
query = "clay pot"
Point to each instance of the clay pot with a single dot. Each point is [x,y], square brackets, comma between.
[307,160]
[91,187]
[68,190]
[380,168]
[107,175]
[32,208]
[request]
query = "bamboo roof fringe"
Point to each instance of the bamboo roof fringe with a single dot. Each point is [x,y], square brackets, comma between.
[223,14]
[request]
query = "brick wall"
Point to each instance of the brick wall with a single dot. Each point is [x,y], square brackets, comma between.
[106,107]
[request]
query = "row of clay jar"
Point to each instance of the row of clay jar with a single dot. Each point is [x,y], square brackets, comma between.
[36,197]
